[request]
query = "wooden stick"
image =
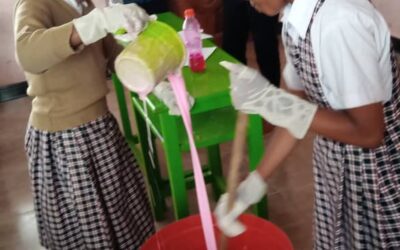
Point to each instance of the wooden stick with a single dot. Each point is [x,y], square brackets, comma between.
[235,163]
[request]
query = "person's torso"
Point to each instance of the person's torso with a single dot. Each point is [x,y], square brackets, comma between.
[71,92]
[303,58]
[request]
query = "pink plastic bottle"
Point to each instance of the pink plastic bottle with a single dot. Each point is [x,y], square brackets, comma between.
[193,42]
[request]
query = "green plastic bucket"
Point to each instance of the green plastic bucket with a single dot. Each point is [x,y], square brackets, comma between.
[157,51]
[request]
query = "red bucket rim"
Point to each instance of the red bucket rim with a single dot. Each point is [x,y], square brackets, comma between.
[193,224]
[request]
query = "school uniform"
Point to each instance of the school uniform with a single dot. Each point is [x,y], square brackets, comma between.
[87,188]
[339,54]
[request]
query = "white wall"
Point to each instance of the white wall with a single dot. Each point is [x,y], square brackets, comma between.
[10,72]
[390,10]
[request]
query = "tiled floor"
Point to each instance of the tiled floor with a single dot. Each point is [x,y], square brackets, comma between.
[290,189]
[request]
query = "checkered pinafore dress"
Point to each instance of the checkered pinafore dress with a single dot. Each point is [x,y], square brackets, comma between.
[88,190]
[357,190]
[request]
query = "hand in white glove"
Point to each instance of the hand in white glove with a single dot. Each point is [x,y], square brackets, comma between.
[95,25]
[249,192]
[253,94]
[164,92]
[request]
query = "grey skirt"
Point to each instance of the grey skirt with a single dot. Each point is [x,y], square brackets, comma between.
[88,190]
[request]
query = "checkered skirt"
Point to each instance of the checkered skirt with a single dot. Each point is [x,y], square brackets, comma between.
[88,190]
[357,199]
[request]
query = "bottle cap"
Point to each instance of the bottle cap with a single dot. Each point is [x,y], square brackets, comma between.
[189,13]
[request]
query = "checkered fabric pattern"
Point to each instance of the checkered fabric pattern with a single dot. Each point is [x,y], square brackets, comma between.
[357,190]
[88,190]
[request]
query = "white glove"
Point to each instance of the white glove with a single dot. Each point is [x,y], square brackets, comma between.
[95,25]
[253,94]
[164,92]
[249,192]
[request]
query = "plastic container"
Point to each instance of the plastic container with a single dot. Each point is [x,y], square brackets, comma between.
[187,234]
[192,37]
[157,51]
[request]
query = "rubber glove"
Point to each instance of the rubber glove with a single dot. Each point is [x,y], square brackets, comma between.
[164,92]
[249,192]
[95,25]
[253,94]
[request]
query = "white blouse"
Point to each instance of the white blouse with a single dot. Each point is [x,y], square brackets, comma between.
[351,45]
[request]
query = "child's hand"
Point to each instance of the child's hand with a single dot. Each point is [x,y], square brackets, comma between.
[253,94]
[246,85]
[95,25]
[164,92]
[249,192]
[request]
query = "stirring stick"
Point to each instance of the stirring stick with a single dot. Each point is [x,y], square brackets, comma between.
[236,160]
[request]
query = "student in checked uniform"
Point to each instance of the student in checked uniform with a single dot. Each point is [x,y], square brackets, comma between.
[87,187]
[343,84]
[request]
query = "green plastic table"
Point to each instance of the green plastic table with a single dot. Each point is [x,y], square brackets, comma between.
[213,119]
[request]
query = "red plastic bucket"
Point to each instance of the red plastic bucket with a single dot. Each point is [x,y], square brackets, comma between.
[187,234]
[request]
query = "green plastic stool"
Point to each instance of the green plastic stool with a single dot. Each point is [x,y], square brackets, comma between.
[210,130]
[170,130]
[213,119]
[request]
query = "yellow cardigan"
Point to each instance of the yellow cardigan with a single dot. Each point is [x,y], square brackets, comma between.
[68,87]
